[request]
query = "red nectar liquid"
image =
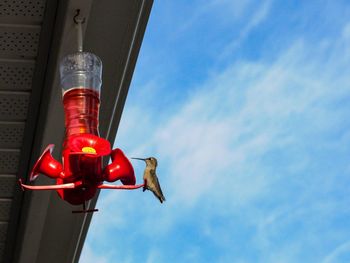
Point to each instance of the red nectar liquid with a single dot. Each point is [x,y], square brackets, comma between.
[81,109]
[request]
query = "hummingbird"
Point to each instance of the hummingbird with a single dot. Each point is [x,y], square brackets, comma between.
[150,177]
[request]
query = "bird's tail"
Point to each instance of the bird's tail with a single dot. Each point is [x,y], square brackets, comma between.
[161,198]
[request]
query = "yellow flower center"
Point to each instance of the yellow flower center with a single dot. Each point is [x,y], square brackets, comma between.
[88,150]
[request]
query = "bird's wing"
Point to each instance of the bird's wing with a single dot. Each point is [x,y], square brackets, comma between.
[160,189]
[152,184]
[157,186]
[149,180]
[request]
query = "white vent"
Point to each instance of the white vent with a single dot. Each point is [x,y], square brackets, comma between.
[17,42]
[16,75]
[9,160]
[13,105]
[22,9]
[3,230]
[11,134]
[7,185]
[5,206]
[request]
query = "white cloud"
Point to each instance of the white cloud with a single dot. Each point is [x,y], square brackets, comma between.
[257,17]
[90,255]
[232,120]
[336,255]
[225,13]
[211,150]
[227,124]
[154,256]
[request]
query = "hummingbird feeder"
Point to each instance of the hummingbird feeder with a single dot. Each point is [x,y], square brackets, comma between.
[81,172]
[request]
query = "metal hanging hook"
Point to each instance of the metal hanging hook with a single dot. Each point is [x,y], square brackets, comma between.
[79,21]
[76,18]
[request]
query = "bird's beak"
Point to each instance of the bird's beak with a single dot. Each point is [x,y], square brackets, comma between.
[142,159]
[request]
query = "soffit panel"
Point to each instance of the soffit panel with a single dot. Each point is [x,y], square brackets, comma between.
[19,41]
[9,159]
[20,34]
[3,229]
[16,74]
[5,206]
[11,134]
[22,11]
[14,105]
[7,181]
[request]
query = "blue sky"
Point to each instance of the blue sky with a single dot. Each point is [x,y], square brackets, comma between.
[245,104]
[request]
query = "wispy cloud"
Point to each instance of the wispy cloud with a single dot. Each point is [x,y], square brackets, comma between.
[258,16]
[339,254]
[254,157]
[90,256]
[228,10]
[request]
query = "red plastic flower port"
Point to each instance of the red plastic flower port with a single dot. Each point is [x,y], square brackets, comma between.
[47,165]
[88,144]
[120,169]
